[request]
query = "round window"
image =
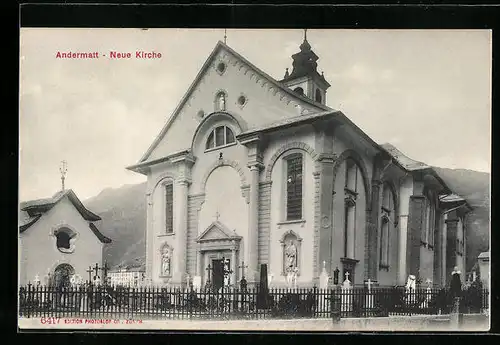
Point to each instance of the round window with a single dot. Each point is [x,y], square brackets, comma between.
[201,114]
[242,100]
[221,67]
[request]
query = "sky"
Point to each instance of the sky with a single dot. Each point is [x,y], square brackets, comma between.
[428,92]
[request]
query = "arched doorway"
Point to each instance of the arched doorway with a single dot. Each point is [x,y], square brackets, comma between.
[62,275]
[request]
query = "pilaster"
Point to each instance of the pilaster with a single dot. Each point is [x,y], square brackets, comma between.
[254,145]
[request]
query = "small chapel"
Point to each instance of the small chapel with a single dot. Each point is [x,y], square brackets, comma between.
[251,170]
[58,240]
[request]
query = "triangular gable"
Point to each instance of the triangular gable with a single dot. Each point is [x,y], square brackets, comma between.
[35,207]
[217,231]
[303,100]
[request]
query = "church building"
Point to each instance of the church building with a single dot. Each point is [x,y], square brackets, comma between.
[250,170]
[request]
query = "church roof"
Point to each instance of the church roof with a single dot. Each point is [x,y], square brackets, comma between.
[219,46]
[406,162]
[31,211]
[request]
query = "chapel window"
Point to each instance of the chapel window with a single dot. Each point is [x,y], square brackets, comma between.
[428,228]
[220,136]
[64,238]
[294,187]
[169,208]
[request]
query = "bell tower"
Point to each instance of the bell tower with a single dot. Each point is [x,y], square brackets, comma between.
[305,79]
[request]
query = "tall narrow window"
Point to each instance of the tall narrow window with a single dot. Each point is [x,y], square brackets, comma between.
[350,208]
[169,208]
[294,187]
[385,229]
[426,220]
[384,245]
[318,96]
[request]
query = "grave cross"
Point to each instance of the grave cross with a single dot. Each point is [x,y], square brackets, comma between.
[369,283]
[242,266]
[96,268]
[208,269]
[105,269]
[346,275]
[89,271]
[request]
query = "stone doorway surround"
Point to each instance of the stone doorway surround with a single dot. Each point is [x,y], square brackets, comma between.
[216,242]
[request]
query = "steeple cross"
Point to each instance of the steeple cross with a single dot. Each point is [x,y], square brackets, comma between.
[305,34]
[217,215]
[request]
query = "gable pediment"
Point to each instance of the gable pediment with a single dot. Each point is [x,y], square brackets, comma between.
[217,232]
[240,77]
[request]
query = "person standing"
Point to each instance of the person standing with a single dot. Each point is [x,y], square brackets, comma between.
[456,283]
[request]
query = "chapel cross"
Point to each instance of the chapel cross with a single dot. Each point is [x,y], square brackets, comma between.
[217,215]
[63,169]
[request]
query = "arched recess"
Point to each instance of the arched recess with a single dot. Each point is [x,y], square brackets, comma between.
[291,241]
[349,153]
[239,125]
[224,162]
[293,145]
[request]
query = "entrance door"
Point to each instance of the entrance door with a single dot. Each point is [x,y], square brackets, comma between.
[217,273]
[62,275]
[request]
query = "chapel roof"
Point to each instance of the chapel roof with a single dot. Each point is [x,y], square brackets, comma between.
[405,161]
[31,211]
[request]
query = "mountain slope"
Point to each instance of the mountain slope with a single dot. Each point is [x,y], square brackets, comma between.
[123,213]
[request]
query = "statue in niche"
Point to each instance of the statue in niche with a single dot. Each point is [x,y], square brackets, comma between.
[290,257]
[165,263]
[221,99]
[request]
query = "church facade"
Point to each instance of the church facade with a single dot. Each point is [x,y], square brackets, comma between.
[250,170]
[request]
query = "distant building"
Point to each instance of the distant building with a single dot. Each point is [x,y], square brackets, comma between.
[127,276]
[58,238]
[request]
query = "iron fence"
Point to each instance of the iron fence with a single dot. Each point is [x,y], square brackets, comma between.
[114,302]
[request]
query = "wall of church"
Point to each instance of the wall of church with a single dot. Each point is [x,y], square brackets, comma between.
[301,141]
[264,104]
[39,251]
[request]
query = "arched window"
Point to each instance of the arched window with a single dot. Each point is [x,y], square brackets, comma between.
[169,208]
[294,177]
[299,90]
[428,224]
[385,229]
[220,136]
[318,96]
[351,181]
